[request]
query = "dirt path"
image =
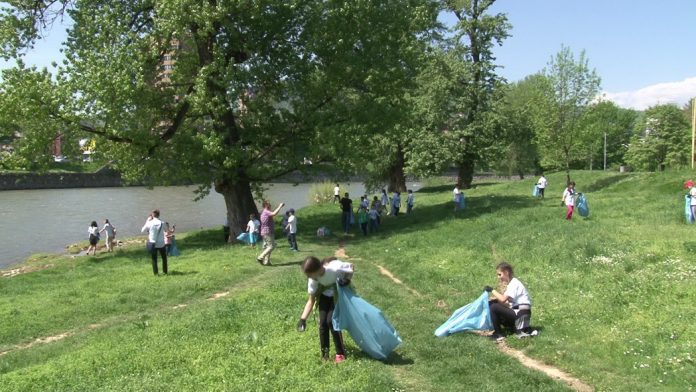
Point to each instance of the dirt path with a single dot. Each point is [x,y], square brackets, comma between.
[257,280]
[552,372]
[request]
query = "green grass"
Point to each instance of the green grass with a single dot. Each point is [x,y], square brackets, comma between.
[613,297]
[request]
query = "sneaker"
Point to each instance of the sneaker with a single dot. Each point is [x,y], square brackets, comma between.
[259,260]
[534,333]
[267,262]
[522,335]
[340,358]
[497,337]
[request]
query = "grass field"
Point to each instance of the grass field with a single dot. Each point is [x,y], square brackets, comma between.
[613,298]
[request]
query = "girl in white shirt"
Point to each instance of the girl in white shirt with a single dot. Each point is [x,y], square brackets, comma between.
[323,277]
[569,199]
[511,309]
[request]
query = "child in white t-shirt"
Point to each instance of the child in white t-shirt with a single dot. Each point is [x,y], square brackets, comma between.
[253,230]
[511,309]
[323,277]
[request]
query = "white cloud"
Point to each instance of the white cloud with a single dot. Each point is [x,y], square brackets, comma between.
[661,93]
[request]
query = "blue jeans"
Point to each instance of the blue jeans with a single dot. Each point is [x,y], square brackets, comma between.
[373,225]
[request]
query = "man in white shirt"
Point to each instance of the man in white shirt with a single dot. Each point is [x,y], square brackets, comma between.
[155,240]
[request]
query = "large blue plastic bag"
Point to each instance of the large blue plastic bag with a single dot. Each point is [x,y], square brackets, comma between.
[535,191]
[687,209]
[472,316]
[365,323]
[244,237]
[581,203]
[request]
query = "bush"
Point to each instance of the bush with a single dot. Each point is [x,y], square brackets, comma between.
[321,193]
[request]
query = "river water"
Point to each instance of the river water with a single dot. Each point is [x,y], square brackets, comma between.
[45,221]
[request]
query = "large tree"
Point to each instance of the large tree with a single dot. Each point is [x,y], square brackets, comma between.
[573,87]
[474,37]
[605,126]
[252,89]
[662,139]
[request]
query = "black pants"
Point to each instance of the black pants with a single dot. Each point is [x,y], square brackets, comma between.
[326,307]
[541,192]
[363,227]
[503,316]
[163,252]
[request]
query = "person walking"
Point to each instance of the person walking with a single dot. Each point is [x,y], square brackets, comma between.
[363,219]
[323,276]
[93,232]
[569,199]
[110,231]
[155,240]
[374,218]
[384,202]
[457,197]
[541,184]
[337,194]
[253,230]
[267,232]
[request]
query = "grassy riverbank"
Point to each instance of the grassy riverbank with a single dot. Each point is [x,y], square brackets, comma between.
[612,297]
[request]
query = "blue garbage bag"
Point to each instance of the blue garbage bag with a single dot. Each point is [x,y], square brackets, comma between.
[535,191]
[244,237]
[173,250]
[581,204]
[365,323]
[472,316]
[687,209]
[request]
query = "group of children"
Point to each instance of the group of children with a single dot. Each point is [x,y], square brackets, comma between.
[369,213]
[510,308]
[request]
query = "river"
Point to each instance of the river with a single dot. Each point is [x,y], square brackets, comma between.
[45,221]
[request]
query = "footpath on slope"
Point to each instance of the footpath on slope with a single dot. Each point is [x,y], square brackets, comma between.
[257,280]
[551,371]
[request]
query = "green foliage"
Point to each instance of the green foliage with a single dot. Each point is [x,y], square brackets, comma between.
[662,139]
[572,87]
[605,118]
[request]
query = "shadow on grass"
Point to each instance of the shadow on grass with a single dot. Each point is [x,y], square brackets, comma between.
[394,359]
[605,182]
[179,273]
[422,218]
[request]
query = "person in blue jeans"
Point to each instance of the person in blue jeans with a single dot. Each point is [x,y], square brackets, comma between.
[347,212]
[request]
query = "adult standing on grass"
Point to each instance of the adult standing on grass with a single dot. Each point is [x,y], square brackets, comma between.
[346,212]
[323,278]
[155,240]
[267,232]
[568,199]
[513,308]
[542,183]
[93,232]
[110,231]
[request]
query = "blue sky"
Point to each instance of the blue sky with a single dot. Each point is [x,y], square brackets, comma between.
[644,50]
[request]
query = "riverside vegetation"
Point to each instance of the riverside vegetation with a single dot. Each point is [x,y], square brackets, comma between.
[613,298]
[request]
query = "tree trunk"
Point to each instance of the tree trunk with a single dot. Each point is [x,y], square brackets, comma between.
[397,179]
[465,175]
[239,202]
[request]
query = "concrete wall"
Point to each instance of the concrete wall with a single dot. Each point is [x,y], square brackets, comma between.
[102,178]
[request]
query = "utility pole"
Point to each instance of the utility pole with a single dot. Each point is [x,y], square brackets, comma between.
[605,150]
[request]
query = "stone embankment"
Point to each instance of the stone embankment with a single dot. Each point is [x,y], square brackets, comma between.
[104,177]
